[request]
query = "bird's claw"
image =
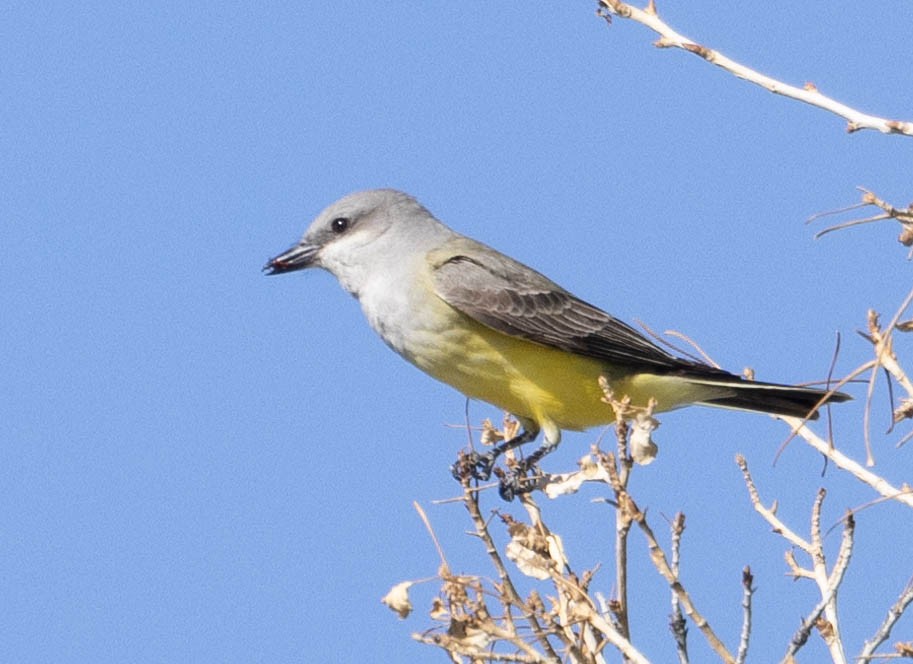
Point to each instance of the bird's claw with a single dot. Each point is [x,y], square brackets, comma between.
[474,465]
[511,483]
[509,486]
[515,482]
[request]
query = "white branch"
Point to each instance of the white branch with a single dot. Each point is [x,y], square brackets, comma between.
[881,485]
[808,94]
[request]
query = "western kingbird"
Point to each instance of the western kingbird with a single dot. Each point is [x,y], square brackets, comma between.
[500,332]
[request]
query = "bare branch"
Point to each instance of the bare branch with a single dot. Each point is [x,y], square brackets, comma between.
[770,513]
[884,347]
[884,630]
[808,94]
[800,638]
[622,528]
[457,650]
[882,486]
[829,583]
[814,547]
[614,636]
[427,522]
[824,615]
[677,622]
[510,595]
[662,565]
[904,216]
[745,636]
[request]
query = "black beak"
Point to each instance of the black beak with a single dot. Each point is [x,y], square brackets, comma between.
[299,257]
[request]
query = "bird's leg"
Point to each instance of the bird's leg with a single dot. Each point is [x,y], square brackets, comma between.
[515,482]
[480,465]
[546,448]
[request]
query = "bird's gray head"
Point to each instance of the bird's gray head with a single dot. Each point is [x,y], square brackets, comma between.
[362,233]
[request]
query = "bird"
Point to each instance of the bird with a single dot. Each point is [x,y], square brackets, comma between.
[500,332]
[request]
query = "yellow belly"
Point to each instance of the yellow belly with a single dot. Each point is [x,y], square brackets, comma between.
[526,379]
[554,388]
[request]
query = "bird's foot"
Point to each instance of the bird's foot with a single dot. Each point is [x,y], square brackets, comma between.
[477,466]
[474,465]
[512,482]
[515,482]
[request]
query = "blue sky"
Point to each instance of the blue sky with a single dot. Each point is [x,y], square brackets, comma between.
[199,463]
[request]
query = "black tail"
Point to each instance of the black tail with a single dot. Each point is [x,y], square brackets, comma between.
[771,397]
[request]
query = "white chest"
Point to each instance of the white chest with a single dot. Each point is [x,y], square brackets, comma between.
[406,313]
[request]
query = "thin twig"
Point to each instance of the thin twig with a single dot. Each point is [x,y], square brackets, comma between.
[817,548]
[665,343]
[867,415]
[677,622]
[770,513]
[828,585]
[884,630]
[613,635]
[885,349]
[829,213]
[662,565]
[745,636]
[456,649]
[427,522]
[845,552]
[850,224]
[622,528]
[814,547]
[684,337]
[876,482]
[800,638]
[808,94]
[511,596]
[833,389]
[903,216]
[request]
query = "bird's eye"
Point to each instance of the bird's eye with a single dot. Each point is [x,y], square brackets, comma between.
[339,225]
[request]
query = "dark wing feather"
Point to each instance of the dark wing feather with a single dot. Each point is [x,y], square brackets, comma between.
[514,299]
